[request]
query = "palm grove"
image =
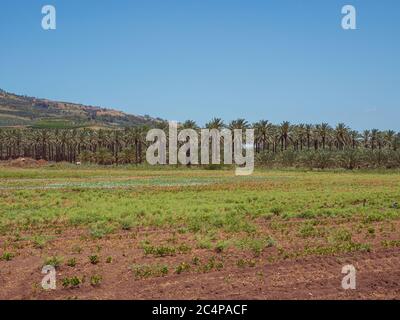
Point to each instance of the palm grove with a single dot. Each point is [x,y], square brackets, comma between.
[285,145]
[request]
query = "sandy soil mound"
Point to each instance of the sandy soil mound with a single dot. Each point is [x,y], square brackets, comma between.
[26,162]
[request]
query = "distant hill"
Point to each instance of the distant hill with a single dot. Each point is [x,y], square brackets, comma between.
[18,110]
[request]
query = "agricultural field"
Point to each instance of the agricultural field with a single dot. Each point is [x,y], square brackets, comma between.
[135,233]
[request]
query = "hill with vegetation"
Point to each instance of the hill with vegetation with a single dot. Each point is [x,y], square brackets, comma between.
[19,110]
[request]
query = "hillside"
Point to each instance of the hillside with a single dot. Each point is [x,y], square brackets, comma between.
[17,110]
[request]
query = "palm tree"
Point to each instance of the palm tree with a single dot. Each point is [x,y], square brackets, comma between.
[396,141]
[309,131]
[263,131]
[301,134]
[2,140]
[83,140]
[354,135]
[116,143]
[323,132]
[238,124]
[374,138]
[64,138]
[72,145]
[215,123]
[389,138]
[8,139]
[44,137]
[190,124]
[341,135]
[139,141]
[365,138]
[284,134]
[93,140]
[380,140]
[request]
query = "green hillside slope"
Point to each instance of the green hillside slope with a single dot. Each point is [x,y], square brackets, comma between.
[17,110]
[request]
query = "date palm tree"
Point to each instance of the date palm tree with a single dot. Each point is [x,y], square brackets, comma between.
[238,124]
[374,138]
[365,138]
[2,141]
[140,140]
[323,132]
[215,123]
[309,131]
[341,135]
[354,136]
[284,134]
[388,137]
[190,124]
[263,132]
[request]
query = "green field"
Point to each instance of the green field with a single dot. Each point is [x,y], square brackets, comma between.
[163,221]
[192,200]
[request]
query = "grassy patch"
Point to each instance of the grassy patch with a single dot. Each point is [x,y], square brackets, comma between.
[141,271]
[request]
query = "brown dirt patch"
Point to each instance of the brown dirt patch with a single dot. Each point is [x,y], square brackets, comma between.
[26,163]
[204,273]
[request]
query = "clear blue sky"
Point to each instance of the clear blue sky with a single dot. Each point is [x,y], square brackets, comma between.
[196,59]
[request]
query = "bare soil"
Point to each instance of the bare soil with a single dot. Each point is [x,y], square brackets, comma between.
[267,276]
[26,163]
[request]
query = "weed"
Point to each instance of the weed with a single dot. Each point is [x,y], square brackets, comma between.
[256,245]
[308,231]
[161,251]
[94,259]
[164,270]
[219,266]
[76,249]
[212,264]
[241,263]
[184,248]
[204,244]
[340,236]
[276,211]
[100,229]
[182,267]
[146,271]
[221,246]
[390,243]
[373,217]
[71,262]
[95,280]
[7,256]
[196,261]
[54,261]
[72,282]
[126,224]
[39,241]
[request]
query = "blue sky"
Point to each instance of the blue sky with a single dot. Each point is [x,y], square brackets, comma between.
[196,59]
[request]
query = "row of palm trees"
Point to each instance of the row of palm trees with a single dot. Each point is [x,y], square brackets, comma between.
[67,144]
[128,145]
[275,138]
